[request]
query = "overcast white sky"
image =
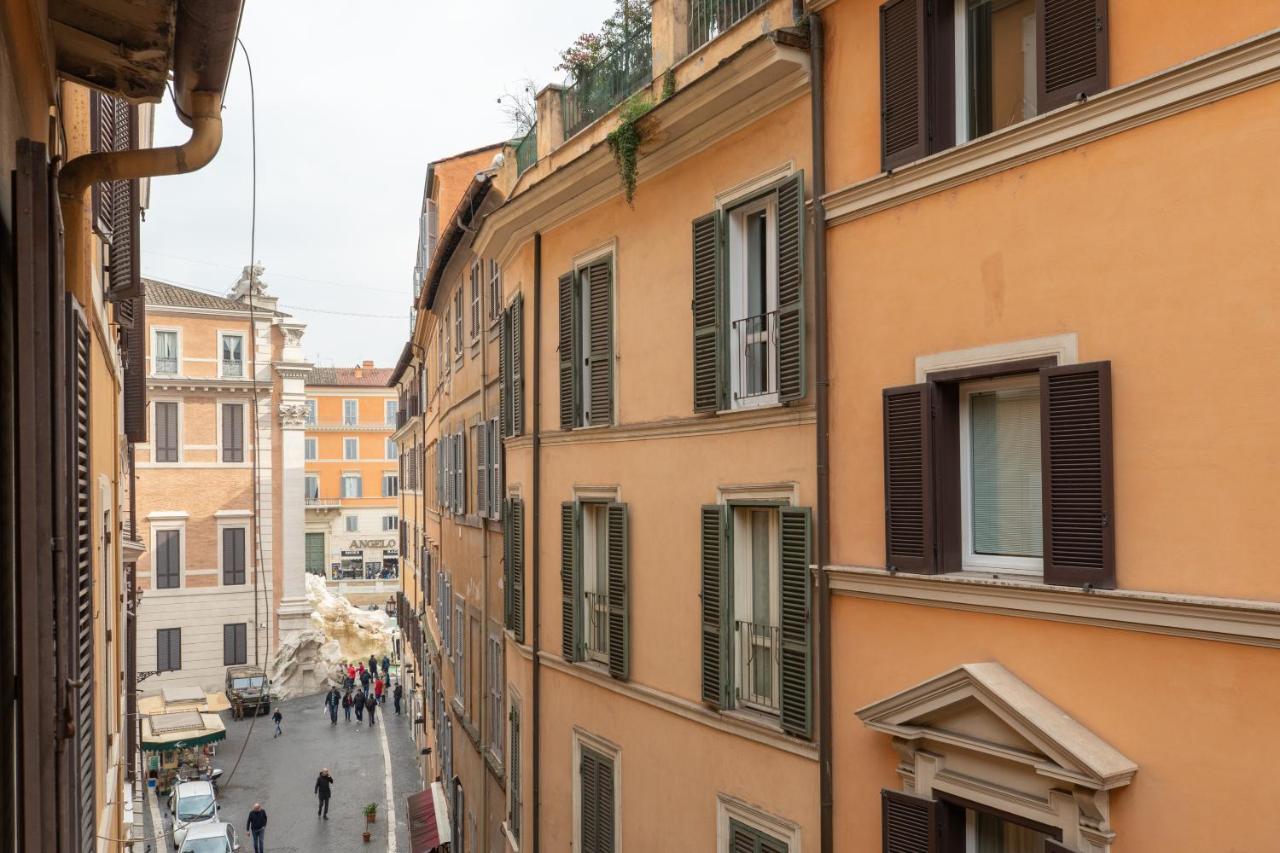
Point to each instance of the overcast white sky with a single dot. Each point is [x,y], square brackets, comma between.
[353,101]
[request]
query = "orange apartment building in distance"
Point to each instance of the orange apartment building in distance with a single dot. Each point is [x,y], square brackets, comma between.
[353,481]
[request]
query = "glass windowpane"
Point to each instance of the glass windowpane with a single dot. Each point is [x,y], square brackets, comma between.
[1005,450]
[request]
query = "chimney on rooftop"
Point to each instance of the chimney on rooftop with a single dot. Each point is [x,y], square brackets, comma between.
[367,365]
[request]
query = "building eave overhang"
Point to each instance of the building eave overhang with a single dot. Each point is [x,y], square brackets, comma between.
[460,225]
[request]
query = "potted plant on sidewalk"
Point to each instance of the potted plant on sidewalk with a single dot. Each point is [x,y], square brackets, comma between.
[370,815]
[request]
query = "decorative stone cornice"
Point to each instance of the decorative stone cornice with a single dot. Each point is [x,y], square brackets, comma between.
[293,415]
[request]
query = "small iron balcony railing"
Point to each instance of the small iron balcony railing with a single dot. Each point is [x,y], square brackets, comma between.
[755,342]
[604,85]
[527,151]
[232,369]
[166,366]
[758,659]
[597,625]
[709,18]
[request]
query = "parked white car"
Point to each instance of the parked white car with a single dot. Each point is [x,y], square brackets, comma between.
[191,803]
[210,837]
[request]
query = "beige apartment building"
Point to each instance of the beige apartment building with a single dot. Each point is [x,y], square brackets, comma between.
[213,496]
[353,482]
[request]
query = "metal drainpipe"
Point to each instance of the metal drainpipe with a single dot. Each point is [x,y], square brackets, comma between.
[816,95]
[535,562]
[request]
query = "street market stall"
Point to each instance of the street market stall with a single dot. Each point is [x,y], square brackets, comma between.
[180,744]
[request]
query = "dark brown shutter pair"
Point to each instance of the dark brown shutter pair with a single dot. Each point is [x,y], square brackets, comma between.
[135,371]
[596,777]
[513,548]
[1076,480]
[588,290]
[234,644]
[710,303]
[233,555]
[232,432]
[917,81]
[166,437]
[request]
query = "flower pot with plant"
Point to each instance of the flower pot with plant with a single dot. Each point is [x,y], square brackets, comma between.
[371,812]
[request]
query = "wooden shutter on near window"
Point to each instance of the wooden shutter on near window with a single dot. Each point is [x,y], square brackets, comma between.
[232,432]
[504,373]
[81,556]
[596,772]
[795,678]
[135,373]
[908,823]
[102,139]
[1051,846]
[708,314]
[482,469]
[1071,42]
[1077,475]
[903,83]
[515,523]
[619,593]
[908,480]
[715,590]
[600,347]
[568,354]
[791,336]
[516,369]
[570,579]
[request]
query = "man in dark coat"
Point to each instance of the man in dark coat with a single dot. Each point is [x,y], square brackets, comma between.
[365,678]
[373,665]
[358,702]
[332,701]
[370,706]
[397,694]
[257,827]
[386,668]
[323,783]
[346,705]
[276,718]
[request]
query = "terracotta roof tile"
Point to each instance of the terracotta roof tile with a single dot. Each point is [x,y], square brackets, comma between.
[373,377]
[163,293]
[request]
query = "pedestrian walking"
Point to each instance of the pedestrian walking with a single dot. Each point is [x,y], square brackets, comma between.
[276,718]
[323,783]
[365,678]
[331,701]
[359,674]
[370,705]
[358,702]
[257,827]
[373,665]
[346,704]
[378,689]
[397,694]
[386,669]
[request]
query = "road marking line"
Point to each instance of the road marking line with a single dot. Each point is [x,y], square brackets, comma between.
[157,823]
[391,802]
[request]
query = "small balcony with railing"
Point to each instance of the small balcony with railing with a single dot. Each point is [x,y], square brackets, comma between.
[755,346]
[708,19]
[164,366]
[596,626]
[757,665]
[232,368]
[526,151]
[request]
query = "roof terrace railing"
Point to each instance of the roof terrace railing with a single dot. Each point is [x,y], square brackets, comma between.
[615,76]
[527,151]
[710,18]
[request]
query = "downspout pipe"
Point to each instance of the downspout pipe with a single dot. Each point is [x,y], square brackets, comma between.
[817,94]
[535,736]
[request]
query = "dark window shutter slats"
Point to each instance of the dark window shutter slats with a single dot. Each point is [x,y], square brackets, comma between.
[570,580]
[135,373]
[589,774]
[908,480]
[794,600]
[1077,475]
[903,85]
[599,276]
[908,823]
[482,471]
[604,788]
[233,555]
[715,555]
[516,368]
[568,356]
[791,336]
[741,838]
[1071,40]
[708,322]
[102,138]
[232,432]
[81,554]
[514,522]
[619,595]
[504,373]
[1051,846]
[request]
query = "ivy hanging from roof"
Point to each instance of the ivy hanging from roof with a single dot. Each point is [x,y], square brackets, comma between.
[624,140]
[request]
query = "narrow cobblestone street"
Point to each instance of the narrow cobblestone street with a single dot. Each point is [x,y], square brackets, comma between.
[368,765]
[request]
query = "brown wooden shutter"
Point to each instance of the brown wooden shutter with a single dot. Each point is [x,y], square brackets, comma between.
[908,480]
[1051,846]
[125,266]
[81,555]
[135,373]
[791,336]
[504,373]
[1071,41]
[908,823]
[570,579]
[618,592]
[1077,475]
[708,315]
[795,678]
[599,277]
[714,605]
[482,470]
[516,370]
[516,521]
[903,84]
[232,432]
[102,138]
[568,354]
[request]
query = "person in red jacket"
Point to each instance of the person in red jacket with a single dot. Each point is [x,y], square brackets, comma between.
[377,691]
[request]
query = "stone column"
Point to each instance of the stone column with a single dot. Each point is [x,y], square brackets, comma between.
[294,612]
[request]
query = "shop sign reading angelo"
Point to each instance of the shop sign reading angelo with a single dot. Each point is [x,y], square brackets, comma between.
[373,543]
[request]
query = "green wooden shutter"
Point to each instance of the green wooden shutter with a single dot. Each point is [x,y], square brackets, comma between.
[504,373]
[796,680]
[708,320]
[513,775]
[568,354]
[619,621]
[482,470]
[589,779]
[570,579]
[715,599]
[515,518]
[508,615]
[791,355]
[516,368]
[599,305]
[746,839]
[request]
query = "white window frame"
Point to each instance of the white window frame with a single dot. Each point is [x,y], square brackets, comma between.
[390,523]
[514,703]
[961,58]
[343,484]
[737,256]
[312,413]
[311,478]
[743,594]
[244,431]
[581,738]
[390,409]
[392,450]
[180,525]
[494,285]
[590,570]
[731,808]
[477,288]
[495,670]
[349,420]
[581,301]
[346,455]
[182,456]
[244,360]
[155,335]
[310,449]
[970,561]
[458,624]
[393,475]
[458,322]
[347,525]
[249,567]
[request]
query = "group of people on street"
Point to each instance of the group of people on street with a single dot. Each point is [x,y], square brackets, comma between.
[256,825]
[363,699]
